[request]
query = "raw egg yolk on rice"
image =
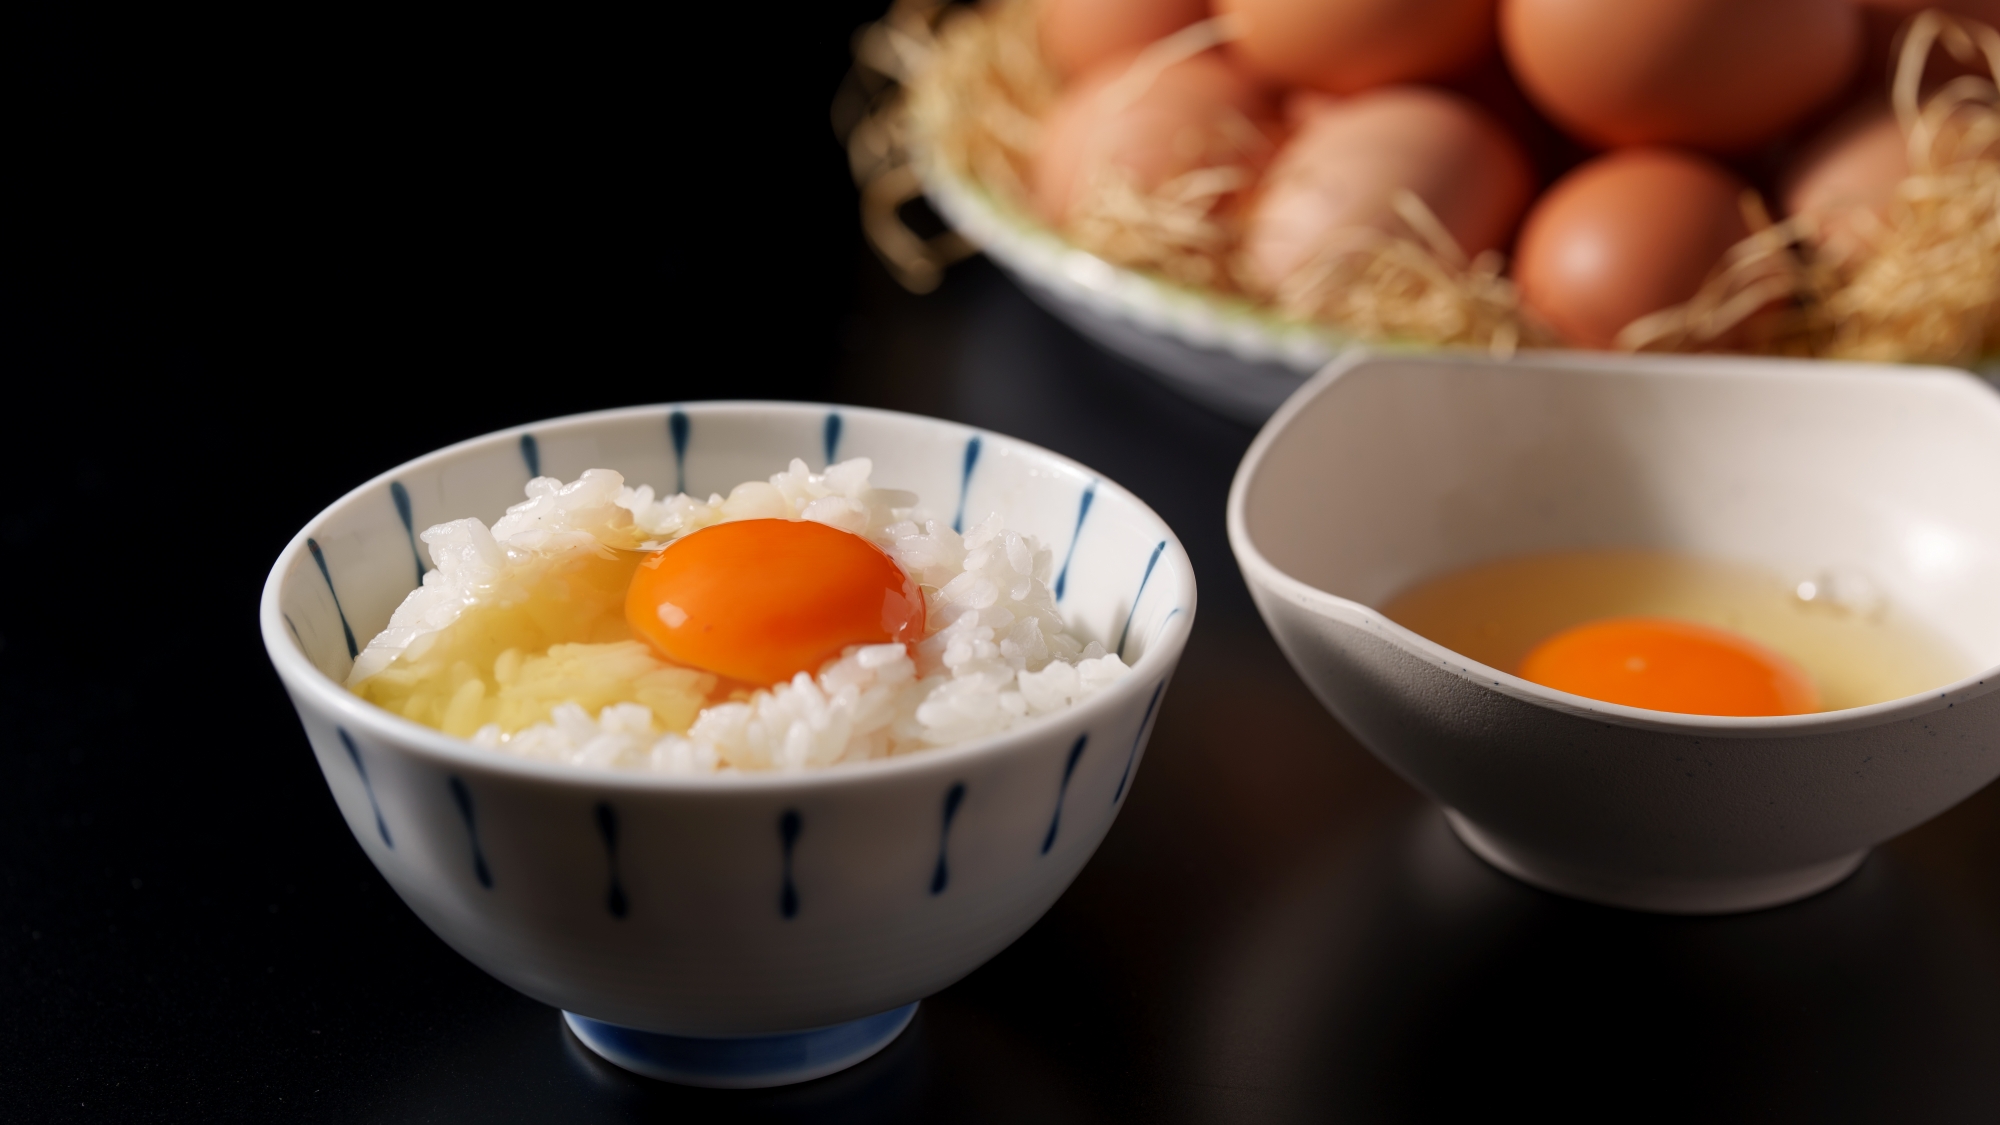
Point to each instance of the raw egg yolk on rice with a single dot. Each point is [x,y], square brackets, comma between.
[762,600]
[1666,665]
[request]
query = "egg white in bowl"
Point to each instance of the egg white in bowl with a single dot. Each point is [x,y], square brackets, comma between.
[798,622]
[1389,472]
[667,910]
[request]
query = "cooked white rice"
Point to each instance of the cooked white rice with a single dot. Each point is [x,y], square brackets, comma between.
[998,653]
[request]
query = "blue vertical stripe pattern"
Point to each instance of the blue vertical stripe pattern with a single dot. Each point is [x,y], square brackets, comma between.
[607,827]
[832,437]
[353,650]
[401,496]
[965,481]
[1082,510]
[1069,767]
[462,797]
[354,753]
[677,429]
[788,835]
[531,454]
[941,878]
[1133,754]
[1130,613]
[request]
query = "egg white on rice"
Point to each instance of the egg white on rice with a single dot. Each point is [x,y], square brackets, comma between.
[997,652]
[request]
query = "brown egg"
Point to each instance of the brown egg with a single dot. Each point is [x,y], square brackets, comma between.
[1347,157]
[1720,75]
[1850,169]
[1078,34]
[1195,114]
[1344,46]
[1626,234]
[1488,85]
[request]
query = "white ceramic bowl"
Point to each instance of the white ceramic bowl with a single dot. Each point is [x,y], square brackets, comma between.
[1383,471]
[1235,358]
[689,925]
[1232,357]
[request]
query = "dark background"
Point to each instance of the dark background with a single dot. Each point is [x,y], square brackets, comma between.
[256,259]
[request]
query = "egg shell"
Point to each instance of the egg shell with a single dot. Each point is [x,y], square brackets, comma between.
[1347,157]
[1078,34]
[1720,75]
[1345,46]
[1488,85]
[1851,167]
[1624,235]
[1197,113]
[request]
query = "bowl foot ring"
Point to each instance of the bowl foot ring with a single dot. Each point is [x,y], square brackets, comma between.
[742,1062]
[1660,895]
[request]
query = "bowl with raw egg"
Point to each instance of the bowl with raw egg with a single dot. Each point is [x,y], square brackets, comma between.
[732,730]
[1678,636]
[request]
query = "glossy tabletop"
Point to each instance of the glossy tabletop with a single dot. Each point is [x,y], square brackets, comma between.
[1277,928]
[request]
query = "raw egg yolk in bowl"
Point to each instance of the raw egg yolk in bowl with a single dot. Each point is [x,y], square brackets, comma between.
[1666,665]
[760,601]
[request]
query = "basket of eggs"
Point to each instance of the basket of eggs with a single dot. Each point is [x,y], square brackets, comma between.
[1230,192]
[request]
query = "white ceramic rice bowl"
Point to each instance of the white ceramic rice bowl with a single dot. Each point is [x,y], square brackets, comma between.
[748,904]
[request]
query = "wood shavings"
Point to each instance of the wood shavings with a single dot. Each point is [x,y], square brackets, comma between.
[1415,287]
[973,84]
[1182,229]
[974,90]
[970,86]
[1924,285]
[1177,230]
[1761,274]
[1930,290]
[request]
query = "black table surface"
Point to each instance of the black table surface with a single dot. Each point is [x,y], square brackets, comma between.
[1277,928]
